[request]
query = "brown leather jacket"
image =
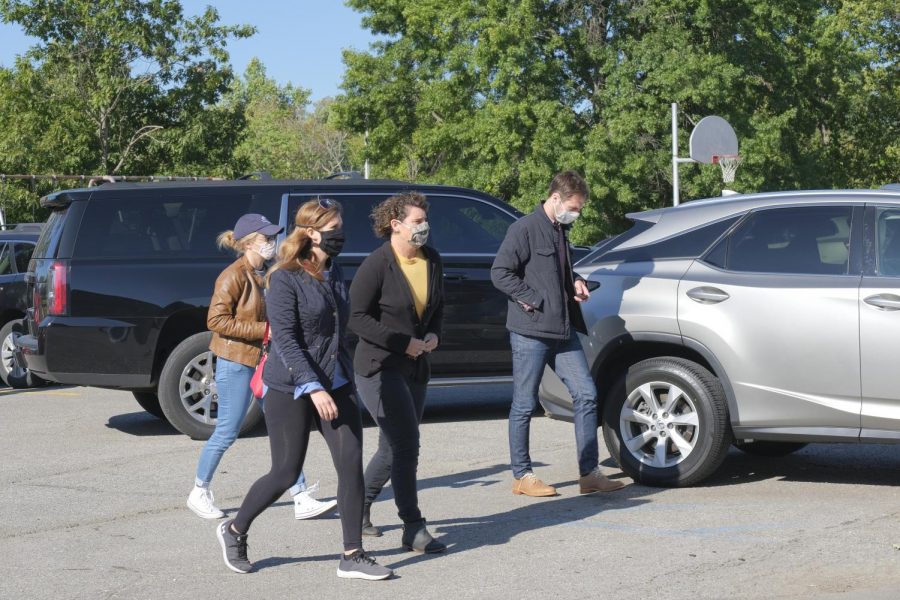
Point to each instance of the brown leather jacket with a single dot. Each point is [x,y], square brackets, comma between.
[237,314]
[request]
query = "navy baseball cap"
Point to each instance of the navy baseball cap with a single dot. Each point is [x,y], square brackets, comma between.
[254,223]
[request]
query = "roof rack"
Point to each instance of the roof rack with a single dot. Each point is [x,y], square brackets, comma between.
[261,175]
[346,175]
[35,227]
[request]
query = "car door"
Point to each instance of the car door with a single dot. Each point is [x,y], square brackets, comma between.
[879,322]
[775,302]
[8,288]
[468,232]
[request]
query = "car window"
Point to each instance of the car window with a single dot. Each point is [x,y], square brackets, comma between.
[162,225]
[23,252]
[466,225]
[357,210]
[5,260]
[689,244]
[812,240]
[889,243]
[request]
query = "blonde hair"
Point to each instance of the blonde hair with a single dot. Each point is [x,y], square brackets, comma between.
[295,252]
[226,241]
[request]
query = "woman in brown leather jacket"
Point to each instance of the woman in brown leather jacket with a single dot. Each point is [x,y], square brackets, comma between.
[237,318]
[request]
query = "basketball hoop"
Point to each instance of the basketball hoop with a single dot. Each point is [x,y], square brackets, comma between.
[729,164]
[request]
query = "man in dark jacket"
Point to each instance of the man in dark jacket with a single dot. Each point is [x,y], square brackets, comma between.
[534,269]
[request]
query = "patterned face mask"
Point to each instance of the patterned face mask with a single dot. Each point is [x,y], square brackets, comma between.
[418,233]
[267,250]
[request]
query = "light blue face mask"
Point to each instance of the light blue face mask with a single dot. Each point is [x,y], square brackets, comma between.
[563,216]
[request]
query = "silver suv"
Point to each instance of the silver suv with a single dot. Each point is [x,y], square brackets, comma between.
[764,320]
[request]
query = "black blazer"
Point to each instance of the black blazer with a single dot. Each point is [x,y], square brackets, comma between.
[383,314]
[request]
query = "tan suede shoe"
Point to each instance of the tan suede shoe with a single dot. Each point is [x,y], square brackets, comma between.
[595,481]
[530,485]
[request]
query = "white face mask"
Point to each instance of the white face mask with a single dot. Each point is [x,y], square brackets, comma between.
[418,233]
[267,250]
[563,216]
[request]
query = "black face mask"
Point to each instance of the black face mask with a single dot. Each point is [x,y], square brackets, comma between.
[332,242]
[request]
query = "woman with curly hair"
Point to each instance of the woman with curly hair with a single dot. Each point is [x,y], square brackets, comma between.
[397,302]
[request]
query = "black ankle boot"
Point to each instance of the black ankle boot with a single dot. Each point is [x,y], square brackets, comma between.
[417,538]
[367,527]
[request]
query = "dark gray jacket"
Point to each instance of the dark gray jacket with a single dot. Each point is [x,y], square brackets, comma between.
[308,320]
[527,269]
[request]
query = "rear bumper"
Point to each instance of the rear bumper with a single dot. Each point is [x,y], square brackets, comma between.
[91,352]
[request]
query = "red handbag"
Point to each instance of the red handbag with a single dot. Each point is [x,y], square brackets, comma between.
[256,382]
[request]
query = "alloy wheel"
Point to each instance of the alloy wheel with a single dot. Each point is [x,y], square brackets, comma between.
[197,388]
[659,424]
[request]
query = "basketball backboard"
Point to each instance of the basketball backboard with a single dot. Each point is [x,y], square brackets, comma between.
[712,137]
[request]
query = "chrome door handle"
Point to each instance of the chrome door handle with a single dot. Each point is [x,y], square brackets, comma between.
[455,276]
[884,301]
[707,295]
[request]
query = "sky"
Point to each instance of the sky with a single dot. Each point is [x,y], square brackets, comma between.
[298,41]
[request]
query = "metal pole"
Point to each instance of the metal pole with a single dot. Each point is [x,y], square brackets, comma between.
[675,182]
[366,166]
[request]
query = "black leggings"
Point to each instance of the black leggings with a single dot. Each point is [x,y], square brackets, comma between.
[289,423]
[396,402]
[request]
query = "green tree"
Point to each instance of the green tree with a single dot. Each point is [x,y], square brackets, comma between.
[117,86]
[283,136]
[107,76]
[500,94]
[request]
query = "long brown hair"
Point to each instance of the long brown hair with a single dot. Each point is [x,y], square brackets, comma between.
[295,252]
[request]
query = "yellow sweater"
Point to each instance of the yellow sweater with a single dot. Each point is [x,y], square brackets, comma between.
[416,272]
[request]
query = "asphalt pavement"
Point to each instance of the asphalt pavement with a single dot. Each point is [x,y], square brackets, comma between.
[93,504]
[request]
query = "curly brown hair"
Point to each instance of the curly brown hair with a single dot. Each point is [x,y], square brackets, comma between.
[395,208]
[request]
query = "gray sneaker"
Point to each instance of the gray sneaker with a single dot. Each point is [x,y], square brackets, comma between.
[360,565]
[234,548]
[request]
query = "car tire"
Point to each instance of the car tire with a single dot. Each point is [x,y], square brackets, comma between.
[149,401]
[766,448]
[187,390]
[12,373]
[685,438]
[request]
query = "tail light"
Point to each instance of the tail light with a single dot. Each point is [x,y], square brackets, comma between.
[58,289]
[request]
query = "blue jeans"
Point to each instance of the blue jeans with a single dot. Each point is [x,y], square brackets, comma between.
[235,398]
[566,357]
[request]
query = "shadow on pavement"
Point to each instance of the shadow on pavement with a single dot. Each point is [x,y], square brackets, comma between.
[493,529]
[141,423]
[857,464]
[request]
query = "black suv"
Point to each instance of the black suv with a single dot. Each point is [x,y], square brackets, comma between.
[122,276]
[16,245]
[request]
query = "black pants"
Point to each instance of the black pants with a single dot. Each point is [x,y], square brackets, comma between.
[396,402]
[289,423]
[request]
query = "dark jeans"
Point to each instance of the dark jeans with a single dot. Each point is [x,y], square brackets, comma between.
[396,402]
[289,423]
[566,358]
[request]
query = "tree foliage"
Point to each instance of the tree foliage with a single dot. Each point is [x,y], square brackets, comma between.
[500,94]
[116,86]
[282,135]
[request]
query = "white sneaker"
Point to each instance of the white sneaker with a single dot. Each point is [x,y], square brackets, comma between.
[307,507]
[200,501]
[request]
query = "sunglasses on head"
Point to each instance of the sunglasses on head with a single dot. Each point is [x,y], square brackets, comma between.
[326,203]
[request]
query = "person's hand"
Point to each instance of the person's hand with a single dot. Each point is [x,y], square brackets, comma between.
[324,403]
[431,342]
[415,348]
[582,292]
[525,306]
